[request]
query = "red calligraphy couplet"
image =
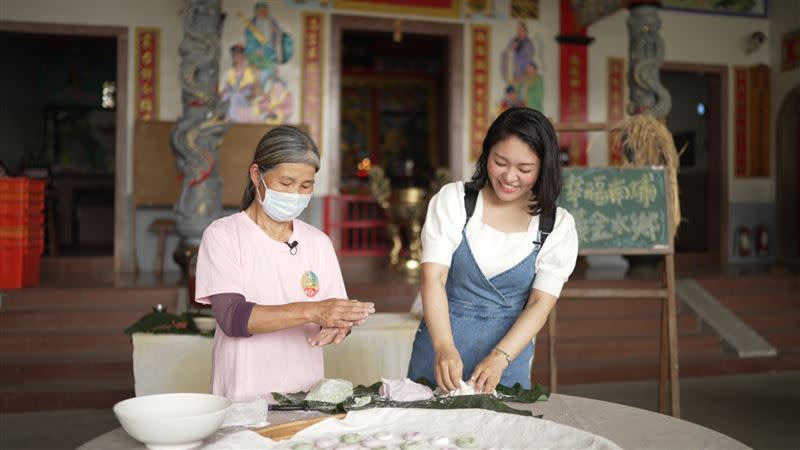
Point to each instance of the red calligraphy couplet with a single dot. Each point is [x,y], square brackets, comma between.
[147,57]
[311,70]
[480,89]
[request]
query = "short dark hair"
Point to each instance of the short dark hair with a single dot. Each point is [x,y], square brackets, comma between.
[534,129]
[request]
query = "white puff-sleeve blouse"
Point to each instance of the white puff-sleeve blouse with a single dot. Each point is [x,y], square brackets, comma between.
[496,251]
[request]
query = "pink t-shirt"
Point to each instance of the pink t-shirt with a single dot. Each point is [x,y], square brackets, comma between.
[236,256]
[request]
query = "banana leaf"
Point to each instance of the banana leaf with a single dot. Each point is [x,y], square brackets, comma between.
[166,323]
[356,402]
[515,393]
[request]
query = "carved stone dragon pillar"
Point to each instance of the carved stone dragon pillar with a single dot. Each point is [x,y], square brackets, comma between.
[646,55]
[196,137]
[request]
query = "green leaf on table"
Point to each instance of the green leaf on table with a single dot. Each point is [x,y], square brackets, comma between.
[372,389]
[167,323]
[461,402]
[153,321]
[488,402]
[294,398]
[517,393]
[514,393]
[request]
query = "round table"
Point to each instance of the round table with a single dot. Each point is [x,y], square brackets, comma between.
[630,428]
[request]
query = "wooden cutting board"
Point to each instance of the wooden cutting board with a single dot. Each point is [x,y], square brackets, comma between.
[283,431]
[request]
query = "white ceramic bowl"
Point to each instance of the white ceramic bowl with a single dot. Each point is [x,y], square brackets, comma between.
[172,421]
[205,323]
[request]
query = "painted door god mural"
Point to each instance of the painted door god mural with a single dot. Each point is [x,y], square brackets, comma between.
[524,85]
[241,85]
[253,84]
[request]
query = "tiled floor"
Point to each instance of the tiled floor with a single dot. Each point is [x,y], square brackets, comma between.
[758,410]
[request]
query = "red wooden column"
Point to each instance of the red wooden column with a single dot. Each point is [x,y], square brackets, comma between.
[573,88]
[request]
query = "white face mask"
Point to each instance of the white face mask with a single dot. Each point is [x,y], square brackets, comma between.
[283,206]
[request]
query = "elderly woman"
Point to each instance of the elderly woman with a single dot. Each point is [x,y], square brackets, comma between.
[273,281]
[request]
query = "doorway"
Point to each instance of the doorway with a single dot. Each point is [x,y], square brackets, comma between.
[65,120]
[380,61]
[397,101]
[393,104]
[787,182]
[697,121]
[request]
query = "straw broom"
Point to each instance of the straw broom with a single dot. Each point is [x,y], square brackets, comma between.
[647,142]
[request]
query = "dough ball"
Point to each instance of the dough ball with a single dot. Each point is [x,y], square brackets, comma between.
[384,436]
[440,441]
[413,436]
[467,442]
[373,443]
[348,447]
[330,391]
[411,446]
[325,443]
[302,446]
[350,438]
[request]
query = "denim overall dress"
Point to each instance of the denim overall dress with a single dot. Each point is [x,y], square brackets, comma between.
[481,312]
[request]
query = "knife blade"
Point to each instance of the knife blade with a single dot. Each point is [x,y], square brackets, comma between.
[273,407]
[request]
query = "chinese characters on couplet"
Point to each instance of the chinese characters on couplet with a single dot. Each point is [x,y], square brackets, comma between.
[311,113]
[146,73]
[480,88]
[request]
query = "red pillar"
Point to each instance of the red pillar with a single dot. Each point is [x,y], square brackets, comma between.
[573,84]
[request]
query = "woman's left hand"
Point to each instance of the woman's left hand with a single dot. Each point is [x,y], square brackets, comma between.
[488,373]
[328,335]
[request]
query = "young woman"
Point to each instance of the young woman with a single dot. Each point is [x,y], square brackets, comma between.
[273,281]
[489,280]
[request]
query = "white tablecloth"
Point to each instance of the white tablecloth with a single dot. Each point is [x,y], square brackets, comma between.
[379,348]
[164,363]
[630,428]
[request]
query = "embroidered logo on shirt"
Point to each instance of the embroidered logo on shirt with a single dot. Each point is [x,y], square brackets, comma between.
[310,283]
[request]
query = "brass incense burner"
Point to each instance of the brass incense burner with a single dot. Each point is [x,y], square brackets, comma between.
[405,209]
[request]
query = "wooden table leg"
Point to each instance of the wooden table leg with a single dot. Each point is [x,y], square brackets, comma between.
[663,359]
[551,342]
[672,307]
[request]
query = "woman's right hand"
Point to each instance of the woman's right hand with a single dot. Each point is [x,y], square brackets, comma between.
[448,368]
[340,313]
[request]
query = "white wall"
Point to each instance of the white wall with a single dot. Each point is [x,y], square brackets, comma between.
[689,38]
[163,14]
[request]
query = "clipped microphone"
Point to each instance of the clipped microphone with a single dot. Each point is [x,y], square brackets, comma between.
[292,247]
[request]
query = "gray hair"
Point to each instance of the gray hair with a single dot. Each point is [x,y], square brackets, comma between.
[282,144]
